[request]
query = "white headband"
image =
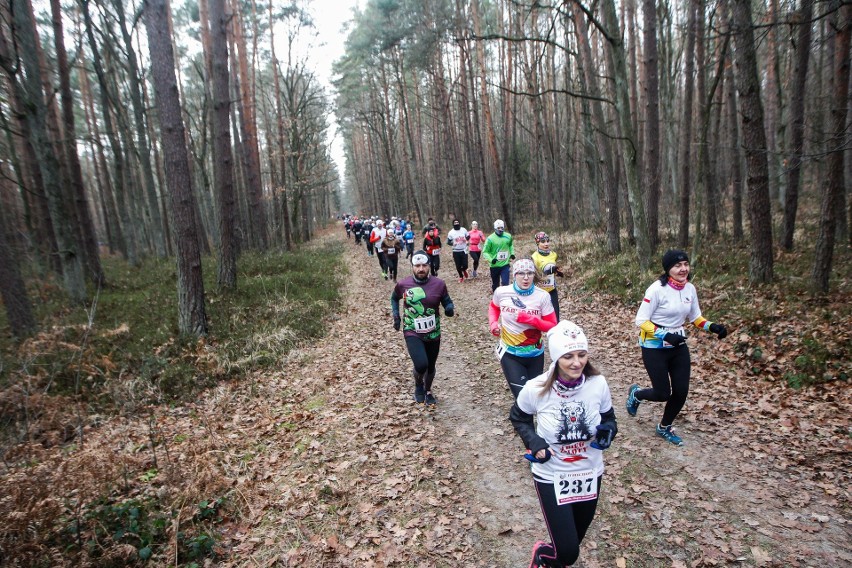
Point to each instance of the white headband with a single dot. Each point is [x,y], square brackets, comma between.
[419,259]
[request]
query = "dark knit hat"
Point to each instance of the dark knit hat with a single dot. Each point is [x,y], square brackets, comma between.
[672,257]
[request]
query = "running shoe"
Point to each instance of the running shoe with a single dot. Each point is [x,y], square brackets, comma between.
[430,399]
[668,435]
[385,274]
[632,401]
[541,548]
[419,394]
[461,280]
[474,273]
[465,273]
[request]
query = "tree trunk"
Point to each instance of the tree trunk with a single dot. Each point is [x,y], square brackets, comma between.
[651,143]
[686,135]
[223,162]
[754,140]
[30,92]
[797,120]
[13,291]
[618,66]
[192,317]
[156,223]
[834,184]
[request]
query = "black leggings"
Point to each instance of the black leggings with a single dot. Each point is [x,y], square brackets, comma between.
[423,354]
[566,524]
[554,299]
[391,260]
[435,263]
[474,255]
[499,276]
[669,369]
[460,259]
[382,262]
[519,370]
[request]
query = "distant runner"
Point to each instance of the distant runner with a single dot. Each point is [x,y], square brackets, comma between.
[457,238]
[477,240]
[498,252]
[545,264]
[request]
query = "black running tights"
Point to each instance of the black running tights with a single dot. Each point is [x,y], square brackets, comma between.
[518,370]
[423,354]
[669,370]
[566,524]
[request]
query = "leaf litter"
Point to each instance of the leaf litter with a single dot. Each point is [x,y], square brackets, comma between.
[329,462]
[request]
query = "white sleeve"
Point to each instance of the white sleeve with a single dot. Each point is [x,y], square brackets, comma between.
[527,399]
[695,310]
[606,397]
[648,305]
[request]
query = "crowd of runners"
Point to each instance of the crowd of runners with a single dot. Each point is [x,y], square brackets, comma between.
[563,414]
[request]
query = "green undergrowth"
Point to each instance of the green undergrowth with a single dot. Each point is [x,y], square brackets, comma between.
[128,333]
[783,331]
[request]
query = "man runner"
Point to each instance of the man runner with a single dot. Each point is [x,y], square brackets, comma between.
[420,321]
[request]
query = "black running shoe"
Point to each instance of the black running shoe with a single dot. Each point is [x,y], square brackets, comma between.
[430,399]
[419,394]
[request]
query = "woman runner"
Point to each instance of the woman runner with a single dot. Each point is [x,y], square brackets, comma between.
[518,315]
[668,303]
[574,423]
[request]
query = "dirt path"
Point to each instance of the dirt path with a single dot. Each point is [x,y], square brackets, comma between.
[364,477]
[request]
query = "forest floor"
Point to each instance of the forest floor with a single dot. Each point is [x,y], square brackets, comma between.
[365,477]
[325,460]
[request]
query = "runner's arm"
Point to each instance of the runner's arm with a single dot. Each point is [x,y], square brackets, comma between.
[525,428]
[449,307]
[394,300]
[543,323]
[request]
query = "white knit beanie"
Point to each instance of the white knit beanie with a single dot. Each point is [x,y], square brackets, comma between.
[564,337]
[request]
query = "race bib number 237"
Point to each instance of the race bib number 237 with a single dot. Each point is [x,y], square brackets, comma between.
[574,487]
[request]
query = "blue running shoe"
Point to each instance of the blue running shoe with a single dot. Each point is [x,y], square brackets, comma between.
[668,435]
[632,401]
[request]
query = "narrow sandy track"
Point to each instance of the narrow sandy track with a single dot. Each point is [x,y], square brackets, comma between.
[375,480]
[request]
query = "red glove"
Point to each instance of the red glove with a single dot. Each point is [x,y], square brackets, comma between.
[541,324]
[495,328]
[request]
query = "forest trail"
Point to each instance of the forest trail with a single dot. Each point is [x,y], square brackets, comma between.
[374,480]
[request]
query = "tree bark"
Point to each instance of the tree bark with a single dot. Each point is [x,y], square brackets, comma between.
[797,123]
[834,184]
[35,109]
[754,139]
[686,135]
[223,162]
[192,317]
[13,291]
[652,121]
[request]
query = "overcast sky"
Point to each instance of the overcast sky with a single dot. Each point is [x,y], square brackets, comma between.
[330,16]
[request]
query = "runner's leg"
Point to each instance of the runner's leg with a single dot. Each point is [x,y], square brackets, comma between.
[554,299]
[518,370]
[566,524]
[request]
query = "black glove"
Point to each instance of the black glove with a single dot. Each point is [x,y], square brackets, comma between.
[449,312]
[397,321]
[674,339]
[720,330]
[512,257]
[604,436]
[559,273]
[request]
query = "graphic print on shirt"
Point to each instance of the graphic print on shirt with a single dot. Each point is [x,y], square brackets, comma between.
[417,317]
[575,423]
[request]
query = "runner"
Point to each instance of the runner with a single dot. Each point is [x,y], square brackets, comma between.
[366,232]
[518,315]
[347,224]
[498,251]
[408,239]
[430,224]
[420,321]
[357,227]
[668,303]
[574,422]
[376,237]
[477,238]
[457,238]
[545,265]
[392,248]
[432,244]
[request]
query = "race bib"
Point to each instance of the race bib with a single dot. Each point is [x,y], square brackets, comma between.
[503,255]
[549,280]
[436,252]
[574,487]
[424,324]
[391,251]
[499,350]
